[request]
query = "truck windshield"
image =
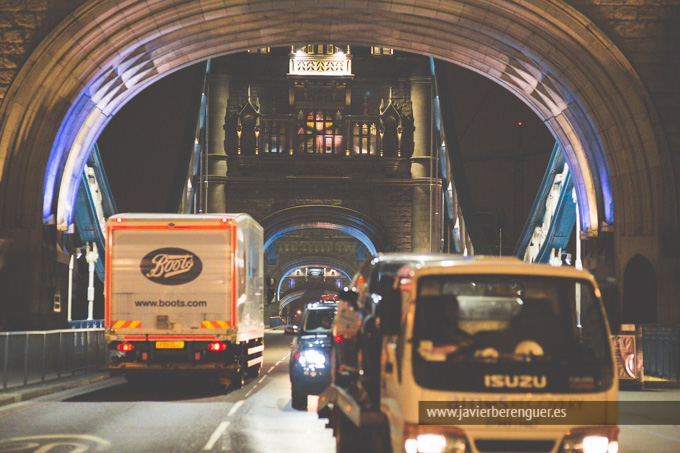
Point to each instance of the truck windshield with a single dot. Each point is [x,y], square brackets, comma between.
[510,333]
[318,320]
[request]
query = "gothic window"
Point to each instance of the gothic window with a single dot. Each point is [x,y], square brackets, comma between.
[365,138]
[319,133]
[390,139]
[275,136]
[248,134]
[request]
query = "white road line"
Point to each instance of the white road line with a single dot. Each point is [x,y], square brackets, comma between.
[251,390]
[270,370]
[261,379]
[216,435]
[235,407]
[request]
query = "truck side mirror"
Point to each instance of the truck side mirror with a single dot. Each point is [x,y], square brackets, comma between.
[350,296]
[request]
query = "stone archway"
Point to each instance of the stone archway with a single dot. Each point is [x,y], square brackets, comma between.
[322,261]
[337,218]
[545,52]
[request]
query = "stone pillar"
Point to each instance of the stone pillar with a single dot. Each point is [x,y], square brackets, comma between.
[423,224]
[218,95]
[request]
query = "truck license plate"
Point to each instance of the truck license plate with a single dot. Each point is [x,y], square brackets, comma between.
[169,344]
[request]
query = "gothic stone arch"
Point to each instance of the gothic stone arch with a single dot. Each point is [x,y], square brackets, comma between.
[545,52]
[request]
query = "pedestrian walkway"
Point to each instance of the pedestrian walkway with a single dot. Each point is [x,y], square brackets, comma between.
[36,390]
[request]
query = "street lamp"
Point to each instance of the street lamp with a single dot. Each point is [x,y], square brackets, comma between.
[91,256]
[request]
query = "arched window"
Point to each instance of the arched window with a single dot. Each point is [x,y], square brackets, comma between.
[319,133]
[248,134]
[390,145]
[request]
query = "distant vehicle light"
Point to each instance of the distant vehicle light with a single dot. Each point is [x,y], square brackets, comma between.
[118,220]
[125,347]
[297,355]
[338,338]
[217,346]
[224,220]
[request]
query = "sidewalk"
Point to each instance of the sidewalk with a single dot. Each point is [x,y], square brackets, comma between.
[18,394]
[652,382]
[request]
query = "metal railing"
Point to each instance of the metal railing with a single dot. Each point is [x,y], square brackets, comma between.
[87,324]
[36,357]
[661,350]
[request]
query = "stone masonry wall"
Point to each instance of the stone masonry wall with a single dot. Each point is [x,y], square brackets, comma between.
[648,34]
[23,24]
[387,204]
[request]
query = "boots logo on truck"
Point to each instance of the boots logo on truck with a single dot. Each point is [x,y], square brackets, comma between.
[171,266]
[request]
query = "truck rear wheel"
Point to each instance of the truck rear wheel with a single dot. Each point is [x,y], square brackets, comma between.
[254,371]
[240,372]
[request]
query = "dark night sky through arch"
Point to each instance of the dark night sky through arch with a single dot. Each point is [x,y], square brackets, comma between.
[141,143]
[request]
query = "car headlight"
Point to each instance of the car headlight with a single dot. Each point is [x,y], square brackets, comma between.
[600,439]
[433,439]
[312,358]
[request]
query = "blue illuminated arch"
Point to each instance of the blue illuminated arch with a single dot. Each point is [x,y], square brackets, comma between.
[320,261]
[348,221]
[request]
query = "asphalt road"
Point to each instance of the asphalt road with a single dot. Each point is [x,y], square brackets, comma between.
[194,416]
[179,416]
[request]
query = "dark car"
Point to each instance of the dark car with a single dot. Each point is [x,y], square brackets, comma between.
[357,339]
[310,354]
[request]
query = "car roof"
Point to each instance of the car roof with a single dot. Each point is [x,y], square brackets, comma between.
[411,257]
[493,265]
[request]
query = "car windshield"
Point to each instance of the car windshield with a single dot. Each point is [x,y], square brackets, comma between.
[510,324]
[318,320]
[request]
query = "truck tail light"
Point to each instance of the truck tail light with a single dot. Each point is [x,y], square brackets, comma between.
[217,346]
[125,347]
[338,338]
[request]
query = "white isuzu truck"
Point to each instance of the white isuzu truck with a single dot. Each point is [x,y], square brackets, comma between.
[484,355]
[184,295]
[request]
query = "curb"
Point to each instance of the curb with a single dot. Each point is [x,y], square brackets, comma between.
[662,384]
[33,391]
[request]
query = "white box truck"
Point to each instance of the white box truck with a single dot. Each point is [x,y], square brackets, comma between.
[184,294]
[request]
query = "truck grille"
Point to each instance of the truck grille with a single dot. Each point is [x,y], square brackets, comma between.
[508,446]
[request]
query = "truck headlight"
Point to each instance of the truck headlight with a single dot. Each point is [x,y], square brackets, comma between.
[600,439]
[312,358]
[433,439]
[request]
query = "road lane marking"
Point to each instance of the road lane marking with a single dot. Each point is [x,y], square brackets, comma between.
[270,370]
[250,391]
[216,435]
[235,407]
[261,379]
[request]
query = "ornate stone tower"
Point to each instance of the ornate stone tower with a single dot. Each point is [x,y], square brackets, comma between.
[325,138]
